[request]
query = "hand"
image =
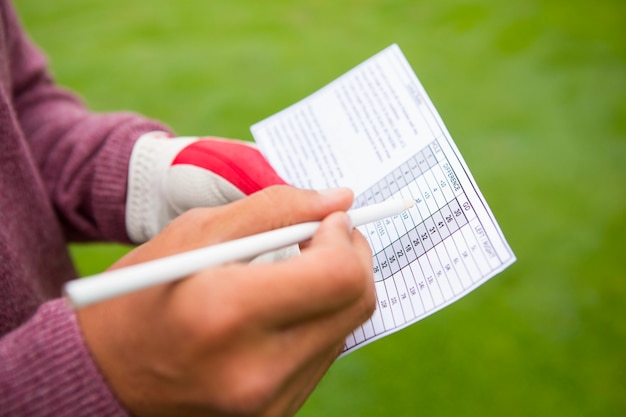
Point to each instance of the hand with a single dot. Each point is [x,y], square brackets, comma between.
[238,339]
[168,176]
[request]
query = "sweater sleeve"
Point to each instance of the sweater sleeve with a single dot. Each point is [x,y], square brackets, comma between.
[55,376]
[82,156]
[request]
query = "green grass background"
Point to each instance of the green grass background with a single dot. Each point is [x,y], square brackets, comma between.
[534,93]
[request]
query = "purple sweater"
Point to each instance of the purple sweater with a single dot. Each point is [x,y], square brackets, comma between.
[62,177]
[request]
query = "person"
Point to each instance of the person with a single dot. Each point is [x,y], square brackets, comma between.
[241,339]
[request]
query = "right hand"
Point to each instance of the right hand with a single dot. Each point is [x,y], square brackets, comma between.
[238,339]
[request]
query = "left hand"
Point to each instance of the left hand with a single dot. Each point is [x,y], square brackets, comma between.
[168,176]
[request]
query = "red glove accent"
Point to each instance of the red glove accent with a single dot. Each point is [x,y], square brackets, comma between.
[168,176]
[240,164]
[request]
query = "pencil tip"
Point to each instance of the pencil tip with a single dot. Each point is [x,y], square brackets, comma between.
[408,203]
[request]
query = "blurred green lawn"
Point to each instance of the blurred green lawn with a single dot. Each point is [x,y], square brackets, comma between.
[534,93]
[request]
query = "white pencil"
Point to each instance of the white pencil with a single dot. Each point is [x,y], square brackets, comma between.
[84,291]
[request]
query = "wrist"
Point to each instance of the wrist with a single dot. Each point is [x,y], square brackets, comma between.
[145,203]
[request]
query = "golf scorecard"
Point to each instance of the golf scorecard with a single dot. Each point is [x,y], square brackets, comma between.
[375,130]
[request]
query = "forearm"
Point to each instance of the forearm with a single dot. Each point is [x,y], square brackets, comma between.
[85,171]
[82,157]
[46,370]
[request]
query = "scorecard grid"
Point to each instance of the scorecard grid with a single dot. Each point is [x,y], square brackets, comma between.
[428,256]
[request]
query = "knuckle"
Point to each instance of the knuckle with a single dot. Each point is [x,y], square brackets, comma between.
[195,218]
[193,215]
[202,225]
[274,194]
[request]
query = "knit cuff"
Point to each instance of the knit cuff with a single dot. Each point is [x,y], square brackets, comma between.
[146,203]
[46,369]
[110,185]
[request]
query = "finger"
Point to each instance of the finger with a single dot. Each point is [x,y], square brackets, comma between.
[333,272]
[306,338]
[268,209]
[330,274]
[280,206]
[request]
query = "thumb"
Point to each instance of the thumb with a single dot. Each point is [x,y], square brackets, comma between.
[270,209]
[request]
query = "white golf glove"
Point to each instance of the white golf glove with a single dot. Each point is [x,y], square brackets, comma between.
[168,176]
